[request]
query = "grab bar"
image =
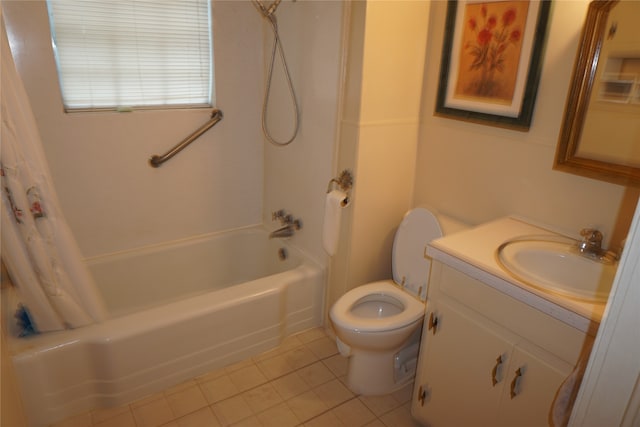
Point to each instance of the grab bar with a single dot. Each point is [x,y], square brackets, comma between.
[155,160]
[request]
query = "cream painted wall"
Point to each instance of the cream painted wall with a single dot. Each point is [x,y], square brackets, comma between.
[378,138]
[112,198]
[477,173]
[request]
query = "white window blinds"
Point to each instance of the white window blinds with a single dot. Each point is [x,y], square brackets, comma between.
[133,53]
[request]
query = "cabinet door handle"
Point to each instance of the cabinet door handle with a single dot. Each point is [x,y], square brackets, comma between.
[515,381]
[433,323]
[494,371]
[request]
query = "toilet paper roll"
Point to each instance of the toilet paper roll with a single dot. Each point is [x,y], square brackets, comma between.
[335,201]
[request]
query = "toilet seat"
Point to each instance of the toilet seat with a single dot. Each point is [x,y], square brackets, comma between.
[342,315]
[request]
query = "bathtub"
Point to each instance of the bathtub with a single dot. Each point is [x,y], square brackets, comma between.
[177,310]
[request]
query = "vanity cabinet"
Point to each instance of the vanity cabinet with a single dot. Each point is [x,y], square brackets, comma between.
[487,359]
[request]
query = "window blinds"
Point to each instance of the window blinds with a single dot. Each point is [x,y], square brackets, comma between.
[133,53]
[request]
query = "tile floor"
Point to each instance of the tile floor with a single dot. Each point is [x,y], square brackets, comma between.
[300,383]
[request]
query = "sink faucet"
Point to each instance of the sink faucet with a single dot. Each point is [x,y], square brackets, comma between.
[591,246]
[290,225]
[591,241]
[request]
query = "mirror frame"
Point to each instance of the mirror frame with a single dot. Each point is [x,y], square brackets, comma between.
[584,73]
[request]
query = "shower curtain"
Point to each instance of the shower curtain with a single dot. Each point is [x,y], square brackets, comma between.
[38,249]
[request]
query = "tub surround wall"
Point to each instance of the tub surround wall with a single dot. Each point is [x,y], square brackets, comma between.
[378,136]
[296,176]
[230,177]
[478,173]
[112,198]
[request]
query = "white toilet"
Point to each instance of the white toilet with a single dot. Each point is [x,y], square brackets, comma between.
[378,325]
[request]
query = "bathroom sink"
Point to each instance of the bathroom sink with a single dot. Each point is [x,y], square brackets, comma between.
[554,264]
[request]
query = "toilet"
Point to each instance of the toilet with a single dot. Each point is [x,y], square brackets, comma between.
[378,325]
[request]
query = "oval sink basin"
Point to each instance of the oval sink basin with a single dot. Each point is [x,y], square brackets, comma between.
[555,265]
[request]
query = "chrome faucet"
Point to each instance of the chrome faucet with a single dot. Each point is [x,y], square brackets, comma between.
[591,246]
[290,225]
[591,241]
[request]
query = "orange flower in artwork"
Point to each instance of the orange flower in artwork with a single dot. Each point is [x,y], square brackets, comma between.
[493,38]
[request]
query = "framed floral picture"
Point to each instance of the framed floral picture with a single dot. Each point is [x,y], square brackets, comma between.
[492,60]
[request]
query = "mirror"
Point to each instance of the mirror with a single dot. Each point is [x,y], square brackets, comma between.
[600,137]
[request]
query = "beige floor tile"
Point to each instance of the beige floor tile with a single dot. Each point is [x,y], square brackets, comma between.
[315,374]
[300,357]
[218,389]
[375,423]
[337,364]
[102,414]
[307,405]
[247,377]
[278,416]
[231,410]
[380,404]
[252,421]
[153,413]
[323,347]
[289,343]
[354,413]
[201,418]
[333,393]
[185,400]
[275,367]
[400,417]
[262,397]
[290,385]
[328,419]
[124,419]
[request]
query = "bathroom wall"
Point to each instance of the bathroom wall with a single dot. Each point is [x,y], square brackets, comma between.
[296,176]
[378,139]
[229,177]
[477,173]
[112,198]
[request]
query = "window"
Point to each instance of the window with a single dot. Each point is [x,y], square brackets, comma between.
[121,54]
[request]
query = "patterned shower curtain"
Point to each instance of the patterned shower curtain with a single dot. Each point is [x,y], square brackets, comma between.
[38,249]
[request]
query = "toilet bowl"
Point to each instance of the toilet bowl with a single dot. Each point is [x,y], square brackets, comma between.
[378,324]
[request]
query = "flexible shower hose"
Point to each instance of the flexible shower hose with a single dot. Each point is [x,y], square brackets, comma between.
[277,45]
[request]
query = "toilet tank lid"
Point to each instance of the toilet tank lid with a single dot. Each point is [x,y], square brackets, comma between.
[410,265]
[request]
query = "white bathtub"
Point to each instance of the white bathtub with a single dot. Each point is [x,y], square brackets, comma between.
[179,310]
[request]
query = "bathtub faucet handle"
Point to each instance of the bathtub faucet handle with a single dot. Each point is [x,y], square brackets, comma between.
[289,224]
[278,214]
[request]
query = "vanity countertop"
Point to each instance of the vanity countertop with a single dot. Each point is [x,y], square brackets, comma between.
[472,252]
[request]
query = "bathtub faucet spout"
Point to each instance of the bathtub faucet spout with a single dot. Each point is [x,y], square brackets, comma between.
[290,225]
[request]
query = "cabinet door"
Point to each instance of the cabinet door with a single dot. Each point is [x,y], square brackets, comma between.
[460,362]
[531,383]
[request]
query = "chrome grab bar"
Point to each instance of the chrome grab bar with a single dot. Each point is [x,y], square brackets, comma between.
[155,160]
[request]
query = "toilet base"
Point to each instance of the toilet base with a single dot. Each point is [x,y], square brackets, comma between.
[374,373]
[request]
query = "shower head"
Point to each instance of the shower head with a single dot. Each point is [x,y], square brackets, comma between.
[267,11]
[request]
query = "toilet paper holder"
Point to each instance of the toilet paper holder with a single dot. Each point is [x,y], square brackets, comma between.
[344,181]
